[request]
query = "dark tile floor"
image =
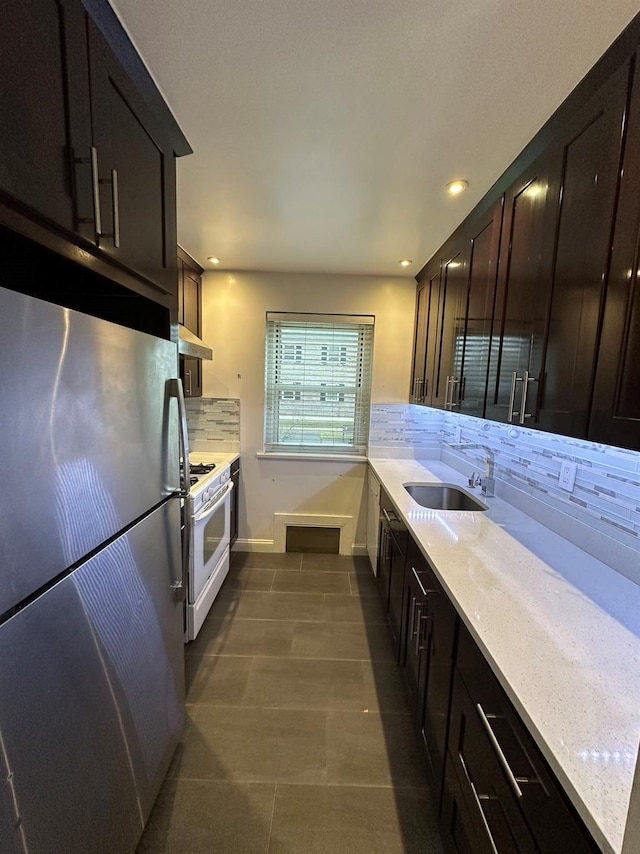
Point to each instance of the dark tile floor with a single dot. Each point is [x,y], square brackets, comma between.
[299,738]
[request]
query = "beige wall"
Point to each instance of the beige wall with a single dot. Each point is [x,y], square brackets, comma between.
[234,308]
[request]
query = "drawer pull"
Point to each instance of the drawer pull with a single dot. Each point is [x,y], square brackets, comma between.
[420,584]
[517,791]
[477,799]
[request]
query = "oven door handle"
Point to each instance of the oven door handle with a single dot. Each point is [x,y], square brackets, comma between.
[216,501]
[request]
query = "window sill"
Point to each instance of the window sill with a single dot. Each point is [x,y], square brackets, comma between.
[337,458]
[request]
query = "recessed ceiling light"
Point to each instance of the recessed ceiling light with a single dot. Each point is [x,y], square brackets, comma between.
[454,188]
[406,262]
[213,260]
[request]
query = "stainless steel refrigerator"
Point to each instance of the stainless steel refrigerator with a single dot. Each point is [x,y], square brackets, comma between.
[91,624]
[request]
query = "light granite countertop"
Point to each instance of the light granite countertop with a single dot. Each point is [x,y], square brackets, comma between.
[560,629]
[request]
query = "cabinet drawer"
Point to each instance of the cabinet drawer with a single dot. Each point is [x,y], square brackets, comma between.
[496,726]
[489,790]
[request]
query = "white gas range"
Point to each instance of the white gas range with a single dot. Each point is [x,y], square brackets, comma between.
[207,528]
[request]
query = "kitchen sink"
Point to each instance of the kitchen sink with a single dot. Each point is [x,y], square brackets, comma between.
[443,496]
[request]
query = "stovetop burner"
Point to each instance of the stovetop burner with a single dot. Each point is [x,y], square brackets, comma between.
[202,468]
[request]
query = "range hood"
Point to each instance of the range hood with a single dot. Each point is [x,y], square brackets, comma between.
[190,345]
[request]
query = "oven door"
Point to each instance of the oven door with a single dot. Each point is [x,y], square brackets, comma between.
[210,534]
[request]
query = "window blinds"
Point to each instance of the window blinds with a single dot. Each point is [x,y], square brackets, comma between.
[317,383]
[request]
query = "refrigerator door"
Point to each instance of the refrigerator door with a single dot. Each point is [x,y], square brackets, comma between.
[91,697]
[89,437]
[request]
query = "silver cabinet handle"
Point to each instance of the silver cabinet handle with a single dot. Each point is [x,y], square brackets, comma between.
[115,204]
[95,185]
[512,397]
[477,799]
[502,759]
[92,160]
[115,198]
[188,389]
[452,381]
[425,390]
[415,393]
[525,388]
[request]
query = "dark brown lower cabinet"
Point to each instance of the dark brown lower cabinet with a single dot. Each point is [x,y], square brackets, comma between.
[512,801]
[391,566]
[427,656]
[494,790]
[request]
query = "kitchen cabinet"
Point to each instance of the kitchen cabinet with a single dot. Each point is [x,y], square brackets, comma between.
[190,316]
[427,656]
[615,414]
[451,325]
[393,549]
[44,108]
[499,793]
[558,348]
[454,317]
[591,165]
[235,500]
[426,339]
[88,145]
[523,292]
[484,243]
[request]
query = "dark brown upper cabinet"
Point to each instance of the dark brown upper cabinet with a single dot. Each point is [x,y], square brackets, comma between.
[426,338]
[591,167]
[88,145]
[523,293]
[615,413]
[473,347]
[190,316]
[451,325]
[135,172]
[560,343]
[44,108]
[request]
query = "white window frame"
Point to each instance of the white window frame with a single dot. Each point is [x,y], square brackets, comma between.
[307,419]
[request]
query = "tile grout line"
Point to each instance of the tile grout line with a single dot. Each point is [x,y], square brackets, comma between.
[246,686]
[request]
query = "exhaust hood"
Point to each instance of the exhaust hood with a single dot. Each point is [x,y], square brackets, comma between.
[190,345]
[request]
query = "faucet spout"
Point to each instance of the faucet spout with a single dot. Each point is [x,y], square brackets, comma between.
[488,483]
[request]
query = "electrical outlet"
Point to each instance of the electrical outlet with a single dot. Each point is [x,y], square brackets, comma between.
[567,476]
[457,434]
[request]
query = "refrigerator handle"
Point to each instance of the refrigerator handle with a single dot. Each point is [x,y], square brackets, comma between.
[175,387]
[175,390]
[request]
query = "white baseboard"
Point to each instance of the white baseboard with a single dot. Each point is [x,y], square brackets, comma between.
[265,546]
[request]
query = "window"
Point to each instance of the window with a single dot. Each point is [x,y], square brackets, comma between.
[317,383]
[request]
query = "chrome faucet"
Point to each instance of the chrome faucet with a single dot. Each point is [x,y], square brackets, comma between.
[488,482]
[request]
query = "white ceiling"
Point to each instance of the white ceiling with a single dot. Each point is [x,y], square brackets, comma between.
[324,131]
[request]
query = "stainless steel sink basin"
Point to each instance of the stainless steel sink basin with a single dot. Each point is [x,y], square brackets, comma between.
[443,496]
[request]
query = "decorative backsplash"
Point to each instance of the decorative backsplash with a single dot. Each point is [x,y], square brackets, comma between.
[214,424]
[606,494]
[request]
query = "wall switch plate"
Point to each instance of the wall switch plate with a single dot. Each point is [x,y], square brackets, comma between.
[457,434]
[567,476]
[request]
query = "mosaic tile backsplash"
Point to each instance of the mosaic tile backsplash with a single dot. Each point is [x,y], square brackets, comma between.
[606,495]
[214,424]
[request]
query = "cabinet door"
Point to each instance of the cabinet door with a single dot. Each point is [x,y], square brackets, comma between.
[452,324]
[589,186]
[483,782]
[397,559]
[420,344]
[483,269]
[440,623]
[44,108]
[191,297]
[191,376]
[524,292]
[615,415]
[136,171]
